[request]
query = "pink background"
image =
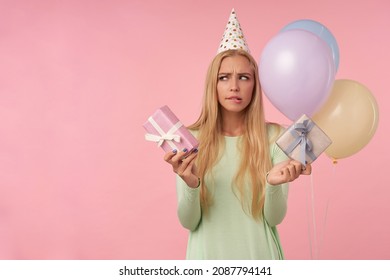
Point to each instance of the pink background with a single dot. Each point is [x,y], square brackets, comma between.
[79,78]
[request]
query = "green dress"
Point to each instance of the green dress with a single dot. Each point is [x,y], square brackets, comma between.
[227,232]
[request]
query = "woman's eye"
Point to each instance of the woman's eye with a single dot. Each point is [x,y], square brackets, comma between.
[245,78]
[223,78]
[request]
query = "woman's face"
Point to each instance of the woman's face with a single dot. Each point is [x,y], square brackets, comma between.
[235,83]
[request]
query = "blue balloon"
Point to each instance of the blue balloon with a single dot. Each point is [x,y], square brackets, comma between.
[319,30]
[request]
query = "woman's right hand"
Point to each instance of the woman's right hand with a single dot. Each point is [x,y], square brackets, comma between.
[183,164]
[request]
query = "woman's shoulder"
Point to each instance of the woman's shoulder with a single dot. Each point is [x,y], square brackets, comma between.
[274,130]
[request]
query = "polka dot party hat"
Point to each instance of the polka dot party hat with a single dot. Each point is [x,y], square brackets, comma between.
[233,37]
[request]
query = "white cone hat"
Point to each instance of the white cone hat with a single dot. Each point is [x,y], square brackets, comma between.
[233,37]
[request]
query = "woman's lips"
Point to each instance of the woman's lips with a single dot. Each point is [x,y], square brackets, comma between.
[235,99]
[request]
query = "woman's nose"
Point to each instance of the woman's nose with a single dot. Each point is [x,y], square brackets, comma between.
[234,85]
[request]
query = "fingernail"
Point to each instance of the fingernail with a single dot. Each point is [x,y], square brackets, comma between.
[174,151]
[185,150]
[195,150]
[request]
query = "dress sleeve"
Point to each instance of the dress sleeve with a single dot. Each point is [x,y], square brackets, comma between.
[275,206]
[188,209]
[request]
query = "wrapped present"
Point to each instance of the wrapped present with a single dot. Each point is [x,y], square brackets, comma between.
[304,140]
[168,132]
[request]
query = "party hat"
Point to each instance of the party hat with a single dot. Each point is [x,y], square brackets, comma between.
[233,37]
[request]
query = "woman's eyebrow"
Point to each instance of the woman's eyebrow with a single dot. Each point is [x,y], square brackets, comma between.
[241,73]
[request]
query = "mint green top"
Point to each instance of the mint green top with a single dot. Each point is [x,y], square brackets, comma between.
[227,232]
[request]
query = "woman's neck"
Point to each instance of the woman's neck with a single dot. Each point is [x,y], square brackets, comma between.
[232,124]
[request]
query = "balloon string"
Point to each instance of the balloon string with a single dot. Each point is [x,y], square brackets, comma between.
[327,204]
[313,218]
[308,223]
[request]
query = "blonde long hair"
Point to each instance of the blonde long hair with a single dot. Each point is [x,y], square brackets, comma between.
[255,156]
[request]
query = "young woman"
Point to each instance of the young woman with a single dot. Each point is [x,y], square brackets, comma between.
[232,193]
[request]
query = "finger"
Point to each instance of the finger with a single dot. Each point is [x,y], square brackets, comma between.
[184,153]
[175,161]
[185,167]
[180,155]
[189,158]
[169,155]
[190,166]
[298,167]
[307,170]
[292,171]
[285,174]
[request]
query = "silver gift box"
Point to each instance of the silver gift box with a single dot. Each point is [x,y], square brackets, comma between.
[304,140]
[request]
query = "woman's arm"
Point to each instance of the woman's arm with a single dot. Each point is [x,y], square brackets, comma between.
[282,172]
[188,208]
[187,187]
[275,206]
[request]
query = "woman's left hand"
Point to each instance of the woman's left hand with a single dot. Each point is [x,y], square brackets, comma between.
[287,171]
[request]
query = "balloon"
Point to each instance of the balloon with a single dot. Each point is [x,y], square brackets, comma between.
[319,30]
[349,117]
[296,72]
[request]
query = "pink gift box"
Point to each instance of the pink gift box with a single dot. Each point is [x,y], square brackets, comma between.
[165,129]
[304,141]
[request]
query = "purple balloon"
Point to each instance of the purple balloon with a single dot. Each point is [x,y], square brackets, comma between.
[297,72]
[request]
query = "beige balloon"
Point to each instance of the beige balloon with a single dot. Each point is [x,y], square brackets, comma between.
[349,117]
